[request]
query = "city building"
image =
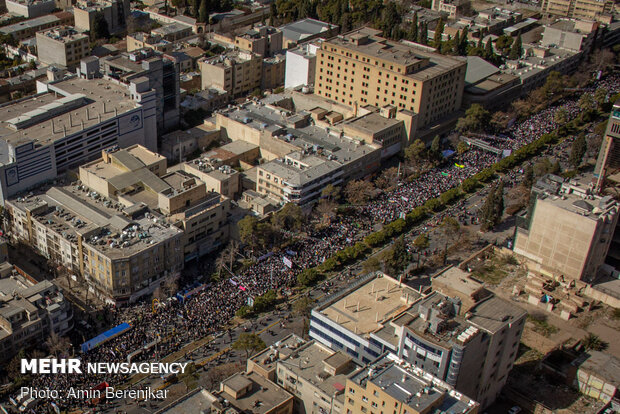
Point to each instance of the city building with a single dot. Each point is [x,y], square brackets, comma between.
[29,311]
[600,10]
[68,123]
[304,30]
[301,65]
[486,85]
[491,21]
[393,385]
[138,179]
[607,170]
[141,40]
[453,8]
[252,393]
[236,72]
[115,13]
[568,228]
[30,8]
[28,28]
[62,46]
[176,146]
[575,35]
[149,70]
[222,180]
[198,401]
[261,39]
[360,68]
[173,32]
[273,72]
[468,340]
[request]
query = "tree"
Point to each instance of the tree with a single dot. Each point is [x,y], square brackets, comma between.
[415,152]
[434,152]
[493,207]
[247,230]
[462,148]
[516,50]
[203,11]
[438,33]
[489,54]
[586,102]
[330,192]
[265,302]
[593,342]
[273,14]
[396,257]
[289,218]
[450,228]
[100,28]
[57,345]
[326,210]
[561,117]
[303,306]
[390,19]
[476,119]
[358,191]
[423,36]
[421,243]
[309,277]
[600,97]
[528,177]
[388,178]
[413,28]
[578,150]
[249,342]
[189,376]
[372,264]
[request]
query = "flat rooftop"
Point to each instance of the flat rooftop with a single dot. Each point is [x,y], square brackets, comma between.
[89,100]
[371,123]
[363,307]
[262,397]
[302,29]
[199,401]
[282,349]
[29,24]
[494,313]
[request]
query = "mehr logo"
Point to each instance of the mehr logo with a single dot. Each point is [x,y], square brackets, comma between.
[51,366]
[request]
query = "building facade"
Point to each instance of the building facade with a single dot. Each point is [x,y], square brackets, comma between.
[30,8]
[301,65]
[580,9]
[607,168]
[236,72]
[62,46]
[115,13]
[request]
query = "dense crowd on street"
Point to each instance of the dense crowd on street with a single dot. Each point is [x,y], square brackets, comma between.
[177,322]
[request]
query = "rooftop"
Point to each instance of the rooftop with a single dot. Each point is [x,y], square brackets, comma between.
[414,387]
[82,103]
[362,307]
[262,397]
[229,58]
[198,401]
[63,34]
[478,69]
[371,123]
[170,29]
[28,24]
[532,65]
[282,349]
[302,29]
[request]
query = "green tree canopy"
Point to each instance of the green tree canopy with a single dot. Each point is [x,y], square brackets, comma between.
[249,342]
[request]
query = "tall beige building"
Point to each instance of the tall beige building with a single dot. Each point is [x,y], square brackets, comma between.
[236,72]
[115,13]
[580,9]
[568,229]
[360,68]
[62,46]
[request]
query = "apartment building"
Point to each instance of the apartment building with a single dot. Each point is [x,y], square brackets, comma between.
[149,70]
[468,340]
[62,46]
[138,179]
[173,32]
[568,229]
[115,13]
[273,72]
[140,40]
[301,65]
[361,68]
[29,312]
[261,39]
[236,72]
[222,180]
[28,28]
[30,8]
[607,170]
[600,10]
[392,385]
[453,8]
[249,392]
[68,123]
[575,35]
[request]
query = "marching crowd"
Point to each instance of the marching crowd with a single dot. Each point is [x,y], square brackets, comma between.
[178,322]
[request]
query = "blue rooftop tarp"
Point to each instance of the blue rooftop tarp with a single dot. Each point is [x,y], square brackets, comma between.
[106,336]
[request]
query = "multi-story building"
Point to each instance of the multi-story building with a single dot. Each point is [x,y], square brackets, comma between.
[575,35]
[173,32]
[568,228]
[600,10]
[607,168]
[391,384]
[304,30]
[115,13]
[273,72]
[68,123]
[149,70]
[29,312]
[301,65]
[249,392]
[140,40]
[138,179]
[361,68]
[261,39]
[30,8]
[29,28]
[469,341]
[222,180]
[62,46]
[236,72]
[453,8]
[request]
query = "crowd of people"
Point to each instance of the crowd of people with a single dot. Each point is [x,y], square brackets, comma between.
[177,322]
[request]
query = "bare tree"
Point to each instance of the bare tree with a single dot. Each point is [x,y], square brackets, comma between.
[57,345]
[325,210]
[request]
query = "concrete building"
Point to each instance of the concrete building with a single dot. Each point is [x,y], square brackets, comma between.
[607,170]
[176,146]
[29,28]
[68,123]
[469,340]
[140,40]
[252,393]
[29,311]
[149,70]
[222,180]
[392,382]
[305,30]
[600,10]
[173,32]
[115,13]
[63,46]
[301,65]
[30,8]
[486,85]
[567,230]
[261,39]
[453,8]
[236,72]
[273,72]
[360,68]
[575,35]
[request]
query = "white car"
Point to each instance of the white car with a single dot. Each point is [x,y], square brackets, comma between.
[514,410]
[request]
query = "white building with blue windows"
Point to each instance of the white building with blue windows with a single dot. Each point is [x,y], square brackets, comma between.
[68,122]
[467,338]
